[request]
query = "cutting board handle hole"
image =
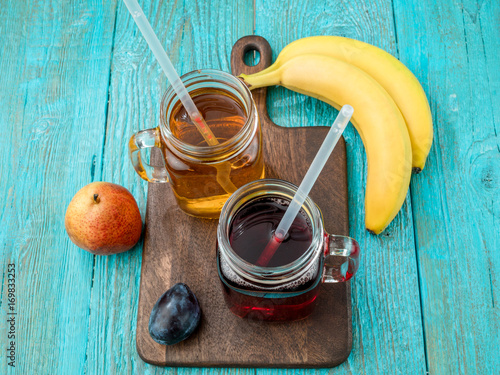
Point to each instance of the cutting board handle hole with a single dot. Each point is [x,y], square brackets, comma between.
[252,57]
[250,54]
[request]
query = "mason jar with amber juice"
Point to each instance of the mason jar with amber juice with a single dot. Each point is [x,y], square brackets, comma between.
[203,176]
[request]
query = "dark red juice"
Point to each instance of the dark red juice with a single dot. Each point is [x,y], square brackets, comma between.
[253,226]
[250,232]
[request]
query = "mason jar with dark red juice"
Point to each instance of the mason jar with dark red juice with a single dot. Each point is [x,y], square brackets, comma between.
[281,285]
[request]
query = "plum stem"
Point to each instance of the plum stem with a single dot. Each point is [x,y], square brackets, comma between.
[97,199]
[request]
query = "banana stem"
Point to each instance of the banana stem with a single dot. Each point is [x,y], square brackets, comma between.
[262,79]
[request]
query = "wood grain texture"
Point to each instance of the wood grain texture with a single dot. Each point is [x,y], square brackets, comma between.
[456,201]
[385,293]
[180,248]
[55,61]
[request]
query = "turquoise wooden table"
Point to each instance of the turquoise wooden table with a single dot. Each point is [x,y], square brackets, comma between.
[77,80]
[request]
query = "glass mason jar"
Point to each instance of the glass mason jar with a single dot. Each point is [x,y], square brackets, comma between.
[202,176]
[287,292]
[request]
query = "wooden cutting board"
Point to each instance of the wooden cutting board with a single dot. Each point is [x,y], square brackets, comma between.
[180,248]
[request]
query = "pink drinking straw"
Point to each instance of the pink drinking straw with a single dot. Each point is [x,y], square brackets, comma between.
[160,54]
[307,183]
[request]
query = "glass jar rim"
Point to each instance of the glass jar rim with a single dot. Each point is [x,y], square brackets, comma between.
[170,100]
[259,274]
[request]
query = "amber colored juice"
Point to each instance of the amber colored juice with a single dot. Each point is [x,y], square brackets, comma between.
[203,185]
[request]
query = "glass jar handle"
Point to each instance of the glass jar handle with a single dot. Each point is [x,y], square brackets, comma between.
[148,138]
[341,259]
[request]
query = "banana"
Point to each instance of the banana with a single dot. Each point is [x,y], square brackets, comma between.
[376,118]
[392,75]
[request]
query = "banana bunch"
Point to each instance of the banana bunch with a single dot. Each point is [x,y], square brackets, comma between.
[391,112]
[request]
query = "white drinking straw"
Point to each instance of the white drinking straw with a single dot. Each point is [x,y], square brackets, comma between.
[307,183]
[160,54]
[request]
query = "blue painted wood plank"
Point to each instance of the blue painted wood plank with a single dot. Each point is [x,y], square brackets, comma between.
[55,60]
[454,48]
[387,328]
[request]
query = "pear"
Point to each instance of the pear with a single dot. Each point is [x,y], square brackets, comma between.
[103,218]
